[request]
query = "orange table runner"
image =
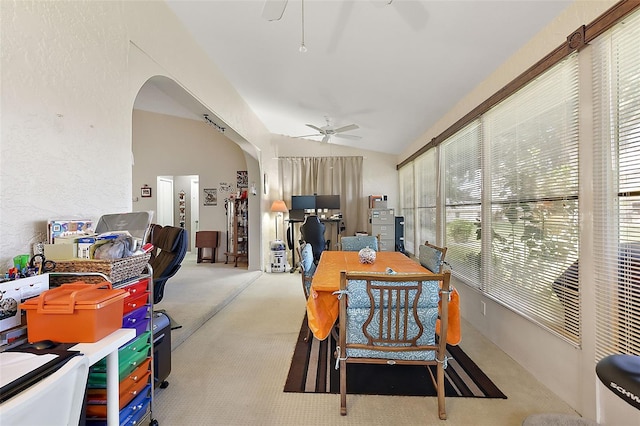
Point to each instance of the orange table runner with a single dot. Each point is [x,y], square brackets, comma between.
[322,305]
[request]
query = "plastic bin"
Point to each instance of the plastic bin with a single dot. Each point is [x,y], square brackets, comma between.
[75,313]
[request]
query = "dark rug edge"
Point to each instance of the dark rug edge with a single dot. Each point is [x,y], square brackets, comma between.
[301,355]
[479,377]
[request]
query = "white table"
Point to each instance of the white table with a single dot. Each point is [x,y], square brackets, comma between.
[108,346]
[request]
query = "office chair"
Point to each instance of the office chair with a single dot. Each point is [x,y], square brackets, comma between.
[170,247]
[312,231]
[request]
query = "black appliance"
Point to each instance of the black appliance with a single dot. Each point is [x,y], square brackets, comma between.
[161,349]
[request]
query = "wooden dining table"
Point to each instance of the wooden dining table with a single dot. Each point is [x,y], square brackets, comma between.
[322,304]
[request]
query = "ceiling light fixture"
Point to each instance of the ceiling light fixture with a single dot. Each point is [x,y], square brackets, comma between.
[213,124]
[303,48]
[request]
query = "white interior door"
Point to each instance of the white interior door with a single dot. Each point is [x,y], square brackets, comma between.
[165,201]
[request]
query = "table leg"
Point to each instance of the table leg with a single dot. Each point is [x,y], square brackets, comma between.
[113,397]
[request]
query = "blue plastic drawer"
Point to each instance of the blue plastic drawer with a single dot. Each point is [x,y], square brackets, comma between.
[132,413]
[138,319]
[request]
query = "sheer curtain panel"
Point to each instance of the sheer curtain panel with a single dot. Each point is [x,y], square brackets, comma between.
[327,176]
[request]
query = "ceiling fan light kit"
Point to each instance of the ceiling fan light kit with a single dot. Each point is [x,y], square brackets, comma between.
[303,48]
[273,10]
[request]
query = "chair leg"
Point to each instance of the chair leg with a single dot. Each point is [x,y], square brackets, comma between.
[442,411]
[343,387]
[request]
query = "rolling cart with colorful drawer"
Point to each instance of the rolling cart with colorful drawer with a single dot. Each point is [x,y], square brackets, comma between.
[135,361]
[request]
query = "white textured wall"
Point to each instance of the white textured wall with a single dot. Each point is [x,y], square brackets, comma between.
[70,74]
[65,144]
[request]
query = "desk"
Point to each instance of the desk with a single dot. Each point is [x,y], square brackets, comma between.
[108,346]
[322,305]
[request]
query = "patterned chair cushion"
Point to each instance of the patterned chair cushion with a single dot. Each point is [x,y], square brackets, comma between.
[358,304]
[430,258]
[358,242]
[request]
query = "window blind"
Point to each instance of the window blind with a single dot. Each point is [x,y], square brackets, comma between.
[616,85]
[407,197]
[426,197]
[462,190]
[533,178]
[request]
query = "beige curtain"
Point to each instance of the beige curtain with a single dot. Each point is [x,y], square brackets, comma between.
[327,176]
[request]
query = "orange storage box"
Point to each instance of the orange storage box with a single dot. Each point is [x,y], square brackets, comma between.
[75,313]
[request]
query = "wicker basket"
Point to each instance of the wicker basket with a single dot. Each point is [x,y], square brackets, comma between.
[116,270]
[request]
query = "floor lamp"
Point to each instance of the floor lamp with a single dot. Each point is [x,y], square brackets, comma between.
[279,207]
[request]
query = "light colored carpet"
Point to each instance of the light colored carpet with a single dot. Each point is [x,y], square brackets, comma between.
[198,291]
[232,369]
[556,420]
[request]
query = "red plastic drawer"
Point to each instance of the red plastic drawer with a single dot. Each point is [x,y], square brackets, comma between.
[134,302]
[137,287]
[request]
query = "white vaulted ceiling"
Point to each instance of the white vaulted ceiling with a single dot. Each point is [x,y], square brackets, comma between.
[391,67]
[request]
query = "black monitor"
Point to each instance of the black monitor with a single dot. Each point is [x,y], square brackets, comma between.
[331,202]
[303,202]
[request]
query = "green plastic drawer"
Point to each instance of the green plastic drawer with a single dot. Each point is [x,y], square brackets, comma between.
[129,357]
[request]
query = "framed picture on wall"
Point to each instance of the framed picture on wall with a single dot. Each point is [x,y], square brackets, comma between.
[145,191]
[243,179]
[210,197]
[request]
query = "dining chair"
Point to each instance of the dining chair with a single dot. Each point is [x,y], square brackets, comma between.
[307,267]
[391,319]
[358,242]
[432,257]
[307,270]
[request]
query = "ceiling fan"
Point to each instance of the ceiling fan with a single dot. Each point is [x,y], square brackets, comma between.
[329,131]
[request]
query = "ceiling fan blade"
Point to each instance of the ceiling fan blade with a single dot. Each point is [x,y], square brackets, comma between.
[316,128]
[346,128]
[308,136]
[273,9]
[353,137]
[326,138]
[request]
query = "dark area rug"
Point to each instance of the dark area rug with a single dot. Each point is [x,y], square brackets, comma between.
[313,371]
